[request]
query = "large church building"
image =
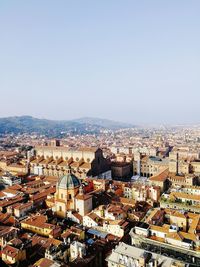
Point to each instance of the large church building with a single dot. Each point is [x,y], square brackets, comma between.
[57,160]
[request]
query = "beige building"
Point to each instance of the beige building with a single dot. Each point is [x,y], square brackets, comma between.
[140,192]
[182,180]
[38,224]
[57,160]
[14,168]
[171,229]
[161,180]
[12,255]
[148,165]
[177,164]
[70,197]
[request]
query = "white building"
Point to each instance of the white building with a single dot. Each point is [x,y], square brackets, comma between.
[91,220]
[11,180]
[128,256]
[77,249]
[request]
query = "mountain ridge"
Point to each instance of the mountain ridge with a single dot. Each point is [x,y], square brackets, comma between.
[29,124]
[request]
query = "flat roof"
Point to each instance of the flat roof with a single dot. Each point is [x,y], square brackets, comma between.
[97,233]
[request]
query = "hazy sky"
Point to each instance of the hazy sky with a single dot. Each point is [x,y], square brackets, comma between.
[134,61]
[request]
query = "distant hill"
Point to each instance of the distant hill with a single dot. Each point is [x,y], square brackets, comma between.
[28,124]
[109,124]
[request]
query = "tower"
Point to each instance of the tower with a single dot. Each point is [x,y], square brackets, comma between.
[137,160]
[173,162]
[83,202]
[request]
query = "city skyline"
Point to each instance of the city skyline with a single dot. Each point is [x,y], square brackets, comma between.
[133,62]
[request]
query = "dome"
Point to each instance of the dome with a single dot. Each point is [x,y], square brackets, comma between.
[68,181]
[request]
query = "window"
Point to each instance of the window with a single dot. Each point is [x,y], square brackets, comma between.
[60,208]
[62,195]
[70,196]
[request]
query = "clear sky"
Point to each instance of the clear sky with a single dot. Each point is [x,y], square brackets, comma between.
[135,61]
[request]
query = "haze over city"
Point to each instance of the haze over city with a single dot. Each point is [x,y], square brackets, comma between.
[131,61]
